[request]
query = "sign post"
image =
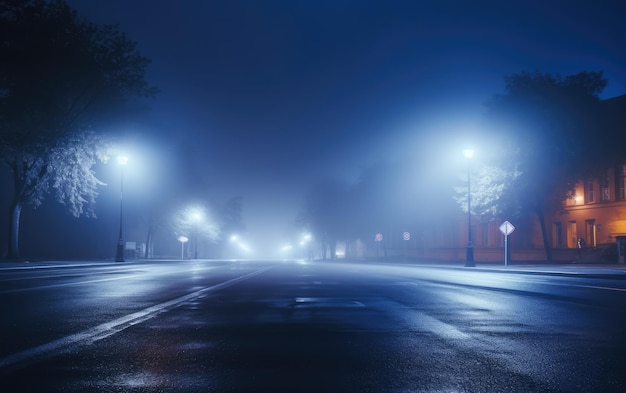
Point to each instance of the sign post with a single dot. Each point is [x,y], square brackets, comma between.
[506,228]
[378,238]
[182,240]
[406,236]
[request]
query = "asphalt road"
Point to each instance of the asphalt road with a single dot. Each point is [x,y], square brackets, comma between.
[296,326]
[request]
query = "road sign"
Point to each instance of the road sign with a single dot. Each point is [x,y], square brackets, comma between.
[507,228]
[379,236]
[406,236]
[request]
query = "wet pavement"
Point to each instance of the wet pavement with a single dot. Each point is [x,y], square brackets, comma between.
[248,326]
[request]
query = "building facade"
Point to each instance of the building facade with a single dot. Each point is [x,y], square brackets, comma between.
[597,213]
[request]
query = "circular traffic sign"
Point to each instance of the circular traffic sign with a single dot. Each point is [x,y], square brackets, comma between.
[406,236]
[379,237]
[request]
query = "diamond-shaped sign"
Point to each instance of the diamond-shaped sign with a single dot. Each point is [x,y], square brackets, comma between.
[507,228]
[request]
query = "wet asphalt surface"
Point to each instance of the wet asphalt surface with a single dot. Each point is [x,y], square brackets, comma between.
[271,326]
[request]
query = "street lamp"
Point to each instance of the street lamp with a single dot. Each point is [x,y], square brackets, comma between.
[307,242]
[196,217]
[232,251]
[119,255]
[469,153]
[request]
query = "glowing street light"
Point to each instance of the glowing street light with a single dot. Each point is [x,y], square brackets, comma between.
[469,154]
[196,216]
[119,255]
[234,241]
[306,242]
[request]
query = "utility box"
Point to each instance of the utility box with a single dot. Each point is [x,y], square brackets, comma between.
[621,248]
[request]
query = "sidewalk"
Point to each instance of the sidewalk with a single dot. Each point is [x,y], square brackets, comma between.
[604,271]
[588,270]
[29,265]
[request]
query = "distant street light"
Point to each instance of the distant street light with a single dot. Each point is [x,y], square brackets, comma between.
[196,216]
[235,244]
[119,255]
[306,242]
[469,154]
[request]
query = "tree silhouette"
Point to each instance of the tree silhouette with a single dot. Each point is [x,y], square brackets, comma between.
[61,81]
[547,126]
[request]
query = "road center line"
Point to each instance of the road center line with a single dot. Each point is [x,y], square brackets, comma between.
[117,325]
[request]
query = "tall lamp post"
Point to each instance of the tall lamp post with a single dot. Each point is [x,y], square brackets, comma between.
[469,153]
[233,251]
[119,255]
[196,217]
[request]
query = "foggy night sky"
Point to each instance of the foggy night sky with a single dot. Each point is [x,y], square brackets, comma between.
[263,98]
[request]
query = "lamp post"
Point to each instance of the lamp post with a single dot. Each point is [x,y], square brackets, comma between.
[196,216]
[307,243]
[119,254]
[469,153]
[234,242]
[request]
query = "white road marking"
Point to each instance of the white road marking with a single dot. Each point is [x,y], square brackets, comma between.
[117,325]
[424,322]
[71,284]
[545,282]
[597,287]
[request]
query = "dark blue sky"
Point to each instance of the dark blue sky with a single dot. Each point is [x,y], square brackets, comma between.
[261,98]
